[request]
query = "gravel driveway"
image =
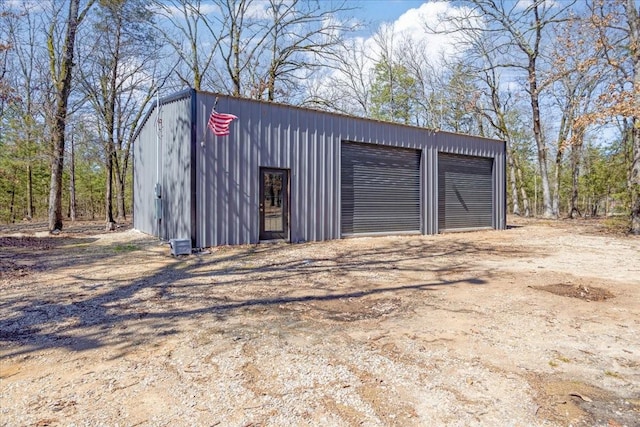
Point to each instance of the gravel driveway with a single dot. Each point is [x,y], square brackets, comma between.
[535,325]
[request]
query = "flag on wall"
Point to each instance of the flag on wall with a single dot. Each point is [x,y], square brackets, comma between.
[219,122]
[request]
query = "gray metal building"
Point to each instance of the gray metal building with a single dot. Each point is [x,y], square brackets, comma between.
[302,175]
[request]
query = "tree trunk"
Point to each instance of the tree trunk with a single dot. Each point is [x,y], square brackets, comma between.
[512,177]
[556,183]
[236,32]
[575,160]
[92,202]
[62,82]
[547,209]
[110,119]
[634,176]
[72,183]
[120,196]
[108,197]
[523,192]
[29,191]
[566,124]
[12,208]
[271,85]
[535,110]
[633,16]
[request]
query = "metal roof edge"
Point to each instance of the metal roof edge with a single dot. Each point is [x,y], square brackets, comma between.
[315,110]
[164,100]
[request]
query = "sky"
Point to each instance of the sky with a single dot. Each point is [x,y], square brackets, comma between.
[373,13]
[379,11]
[407,19]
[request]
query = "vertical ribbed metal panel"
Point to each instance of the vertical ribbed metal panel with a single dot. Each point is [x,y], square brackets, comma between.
[500,177]
[307,143]
[176,169]
[380,189]
[164,157]
[465,192]
[430,189]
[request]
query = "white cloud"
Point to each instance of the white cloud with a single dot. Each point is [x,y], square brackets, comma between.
[436,16]
[258,10]
[409,30]
[525,4]
[31,6]
[177,11]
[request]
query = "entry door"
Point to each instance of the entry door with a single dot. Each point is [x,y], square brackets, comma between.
[274,204]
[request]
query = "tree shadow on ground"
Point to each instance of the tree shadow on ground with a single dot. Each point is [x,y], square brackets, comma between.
[97,311]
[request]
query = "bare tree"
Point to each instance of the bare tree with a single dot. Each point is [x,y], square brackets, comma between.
[22,31]
[345,87]
[303,36]
[116,79]
[241,43]
[262,50]
[61,69]
[7,92]
[483,96]
[497,115]
[430,77]
[520,33]
[577,74]
[193,36]
[268,49]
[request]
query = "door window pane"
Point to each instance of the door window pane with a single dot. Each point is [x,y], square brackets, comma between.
[272,203]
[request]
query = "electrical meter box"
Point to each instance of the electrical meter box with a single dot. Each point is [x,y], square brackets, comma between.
[180,246]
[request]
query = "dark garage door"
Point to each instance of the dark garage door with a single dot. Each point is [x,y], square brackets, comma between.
[465,192]
[380,189]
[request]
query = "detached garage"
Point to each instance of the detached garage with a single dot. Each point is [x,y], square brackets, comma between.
[288,173]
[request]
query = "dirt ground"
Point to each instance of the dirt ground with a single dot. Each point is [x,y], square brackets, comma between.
[535,325]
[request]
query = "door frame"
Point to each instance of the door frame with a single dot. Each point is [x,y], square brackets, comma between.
[286,231]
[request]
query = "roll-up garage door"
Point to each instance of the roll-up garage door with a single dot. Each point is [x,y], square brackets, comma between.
[465,192]
[380,189]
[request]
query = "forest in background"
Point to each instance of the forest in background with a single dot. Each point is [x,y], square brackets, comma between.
[558,81]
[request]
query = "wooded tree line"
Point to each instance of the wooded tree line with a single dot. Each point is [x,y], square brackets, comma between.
[558,81]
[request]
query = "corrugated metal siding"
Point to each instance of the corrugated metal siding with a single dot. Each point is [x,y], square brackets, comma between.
[465,192]
[380,189]
[171,168]
[306,142]
[429,189]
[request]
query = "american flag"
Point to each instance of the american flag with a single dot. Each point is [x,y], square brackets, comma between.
[219,123]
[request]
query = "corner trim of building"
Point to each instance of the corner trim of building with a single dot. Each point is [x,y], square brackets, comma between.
[194,168]
[504,185]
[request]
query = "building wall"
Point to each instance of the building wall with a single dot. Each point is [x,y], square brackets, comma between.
[163,155]
[308,144]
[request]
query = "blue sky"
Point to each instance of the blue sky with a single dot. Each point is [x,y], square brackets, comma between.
[378,11]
